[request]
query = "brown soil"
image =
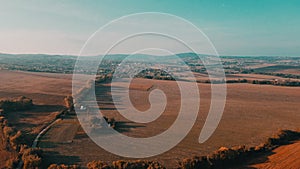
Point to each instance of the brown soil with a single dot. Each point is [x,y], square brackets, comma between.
[285,156]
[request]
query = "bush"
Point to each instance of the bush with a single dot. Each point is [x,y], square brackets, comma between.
[20,103]
[12,163]
[139,164]
[121,164]
[195,162]
[16,139]
[8,131]
[31,157]
[68,100]
[63,166]
[31,151]
[282,137]
[32,162]
[225,157]
[98,165]
[23,148]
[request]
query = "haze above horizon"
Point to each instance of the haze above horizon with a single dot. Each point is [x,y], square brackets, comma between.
[269,27]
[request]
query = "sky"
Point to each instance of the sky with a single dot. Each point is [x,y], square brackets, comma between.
[235,27]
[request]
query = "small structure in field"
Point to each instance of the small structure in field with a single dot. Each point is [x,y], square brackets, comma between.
[82,107]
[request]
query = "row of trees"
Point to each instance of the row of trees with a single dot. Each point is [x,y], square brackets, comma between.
[121,164]
[262,82]
[14,142]
[222,158]
[20,103]
[226,157]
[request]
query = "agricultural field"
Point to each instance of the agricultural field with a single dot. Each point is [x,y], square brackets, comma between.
[246,105]
[285,156]
[258,111]
[48,101]
[150,85]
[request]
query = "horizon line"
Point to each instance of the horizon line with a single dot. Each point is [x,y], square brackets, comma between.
[53,54]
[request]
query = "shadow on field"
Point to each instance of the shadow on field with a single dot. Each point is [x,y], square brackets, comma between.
[46,108]
[122,126]
[52,157]
[258,159]
[105,102]
[29,122]
[104,97]
[48,144]
[253,160]
[31,113]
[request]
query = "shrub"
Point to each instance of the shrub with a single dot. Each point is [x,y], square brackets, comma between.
[121,164]
[31,158]
[139,164]
[155,165]
[32,162]
[68,100]
[16,140]
[260,148]
[20,103]
[8,131]
[23,147]
[195,162]
[12,163]
[63,166]
[225,157]
[98,165]
[282,137]
[2,118]
[31,151]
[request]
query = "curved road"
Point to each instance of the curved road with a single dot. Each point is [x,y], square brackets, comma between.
[37,138]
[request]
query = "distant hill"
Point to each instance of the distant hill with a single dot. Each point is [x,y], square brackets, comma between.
[65,63]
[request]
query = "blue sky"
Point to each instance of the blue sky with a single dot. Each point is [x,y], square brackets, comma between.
[236,27]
